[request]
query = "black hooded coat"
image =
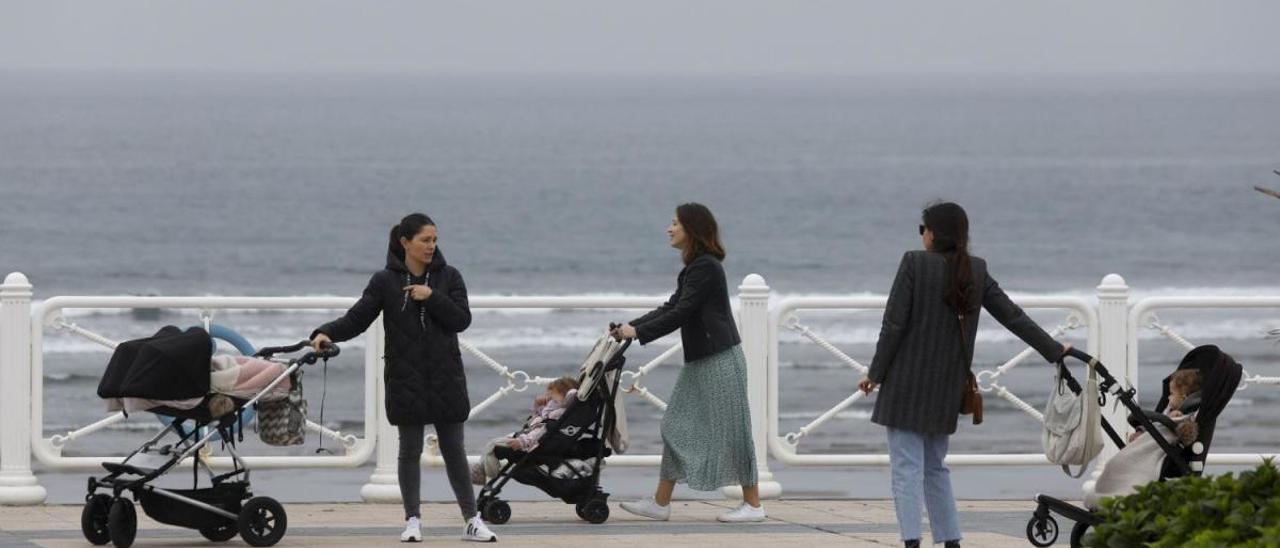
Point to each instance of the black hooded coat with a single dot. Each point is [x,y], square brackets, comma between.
[425,383]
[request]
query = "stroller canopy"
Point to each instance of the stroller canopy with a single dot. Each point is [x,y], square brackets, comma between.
[170,365]
[1219,378]
[600,366]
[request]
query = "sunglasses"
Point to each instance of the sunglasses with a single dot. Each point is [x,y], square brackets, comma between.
[922,230]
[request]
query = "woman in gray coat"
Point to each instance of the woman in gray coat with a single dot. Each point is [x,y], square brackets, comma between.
[922,363]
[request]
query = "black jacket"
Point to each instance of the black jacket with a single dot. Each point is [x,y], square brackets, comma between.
[425,383]
[699,309]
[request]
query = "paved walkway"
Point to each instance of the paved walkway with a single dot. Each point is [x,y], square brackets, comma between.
[809,523]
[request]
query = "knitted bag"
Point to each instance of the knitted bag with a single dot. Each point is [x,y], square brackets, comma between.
[283,421]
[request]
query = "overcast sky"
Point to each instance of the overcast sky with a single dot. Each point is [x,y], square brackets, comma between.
[650,36]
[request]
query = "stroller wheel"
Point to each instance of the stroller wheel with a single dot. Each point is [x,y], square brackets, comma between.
[221,533]
[93,519]
[1042,532]
[122,523]
[1077,533]
[595,510]
[496,512]
[262,521]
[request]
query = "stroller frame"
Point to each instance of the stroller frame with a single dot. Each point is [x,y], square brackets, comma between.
[592,503]
[260,522]
[1042,528]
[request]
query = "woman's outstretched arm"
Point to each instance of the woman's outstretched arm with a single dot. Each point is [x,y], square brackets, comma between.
[358,318]
[1013,318]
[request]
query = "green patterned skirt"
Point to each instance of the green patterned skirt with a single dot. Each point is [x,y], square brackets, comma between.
[706,431]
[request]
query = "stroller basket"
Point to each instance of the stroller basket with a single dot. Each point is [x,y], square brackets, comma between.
[226,495]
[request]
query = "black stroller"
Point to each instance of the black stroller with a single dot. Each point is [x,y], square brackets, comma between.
[582,433]
[174,365]
[1220,376]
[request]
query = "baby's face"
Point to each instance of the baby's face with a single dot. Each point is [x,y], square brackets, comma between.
[555,394]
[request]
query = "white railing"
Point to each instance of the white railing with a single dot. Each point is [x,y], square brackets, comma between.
[786,316]
[49,315]
[1110,328]
[1144,316]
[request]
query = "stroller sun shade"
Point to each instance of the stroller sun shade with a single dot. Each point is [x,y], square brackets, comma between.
[170,365]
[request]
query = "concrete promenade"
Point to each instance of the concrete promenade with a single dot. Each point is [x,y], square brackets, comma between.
[809,523]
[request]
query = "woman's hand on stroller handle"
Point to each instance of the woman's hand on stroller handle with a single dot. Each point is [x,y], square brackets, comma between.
[320,341]
[621,332]
[323,348]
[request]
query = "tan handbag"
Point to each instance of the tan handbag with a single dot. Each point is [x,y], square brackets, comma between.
[971,402]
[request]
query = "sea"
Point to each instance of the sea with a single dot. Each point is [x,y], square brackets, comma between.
[267,184]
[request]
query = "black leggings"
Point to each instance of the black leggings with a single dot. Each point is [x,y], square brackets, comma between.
[455,465]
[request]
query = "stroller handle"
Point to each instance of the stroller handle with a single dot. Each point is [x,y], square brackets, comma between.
[1079,355]
[1107,380]
[327,350]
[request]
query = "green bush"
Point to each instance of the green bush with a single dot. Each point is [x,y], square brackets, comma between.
[1226,510]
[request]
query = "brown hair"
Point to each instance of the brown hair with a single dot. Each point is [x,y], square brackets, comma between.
[702,234]
[563,384]
[1187,381]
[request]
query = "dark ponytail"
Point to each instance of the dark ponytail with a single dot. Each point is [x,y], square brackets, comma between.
[407,228]
[950,227]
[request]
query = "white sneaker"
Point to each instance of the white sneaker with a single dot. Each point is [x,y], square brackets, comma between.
[477,531]
[743,514]
[648,508]
[412,531]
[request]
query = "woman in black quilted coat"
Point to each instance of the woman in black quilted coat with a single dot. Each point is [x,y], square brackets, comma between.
[423,302]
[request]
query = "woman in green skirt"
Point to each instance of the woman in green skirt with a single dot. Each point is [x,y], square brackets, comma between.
[706,431]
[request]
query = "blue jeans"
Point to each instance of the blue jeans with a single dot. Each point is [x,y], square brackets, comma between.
[916,461]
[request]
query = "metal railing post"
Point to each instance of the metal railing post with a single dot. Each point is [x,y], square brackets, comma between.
[18,486]
[753,298]
[384,484]
[1113,350]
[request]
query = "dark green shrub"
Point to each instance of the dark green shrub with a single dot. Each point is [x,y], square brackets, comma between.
[1226,510]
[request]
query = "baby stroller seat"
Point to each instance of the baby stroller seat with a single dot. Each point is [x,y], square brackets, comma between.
[1219,378]
[174,365]
[566,462]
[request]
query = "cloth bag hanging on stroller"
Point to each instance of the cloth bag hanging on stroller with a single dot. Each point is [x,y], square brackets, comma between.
[1073,422]
[283,421]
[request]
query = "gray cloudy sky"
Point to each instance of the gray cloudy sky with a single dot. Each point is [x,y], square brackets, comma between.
[651,36]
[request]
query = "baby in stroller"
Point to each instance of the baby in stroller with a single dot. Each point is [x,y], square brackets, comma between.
[549,405]
[1171,441]
[561,449]
[1184,389]
[230,377]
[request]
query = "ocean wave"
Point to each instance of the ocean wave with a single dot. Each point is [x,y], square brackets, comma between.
[68,378]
